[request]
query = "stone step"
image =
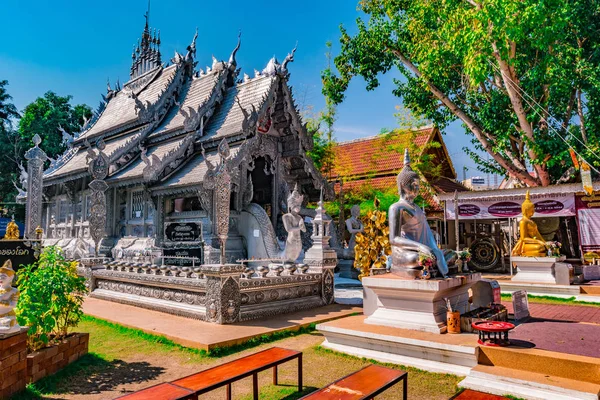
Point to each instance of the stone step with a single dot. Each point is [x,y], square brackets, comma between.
[529,385]
[540,289]
[548,363]
[455,354]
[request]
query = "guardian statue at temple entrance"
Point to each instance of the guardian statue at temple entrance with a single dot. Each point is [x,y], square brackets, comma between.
[354,225]
[410,235]
[293,224]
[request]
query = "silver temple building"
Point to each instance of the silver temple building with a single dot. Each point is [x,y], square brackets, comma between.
[166,134]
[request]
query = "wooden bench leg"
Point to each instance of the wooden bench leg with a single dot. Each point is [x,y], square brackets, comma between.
[300,372]
[229,391]
[255,386]
[275,375]
[405,387]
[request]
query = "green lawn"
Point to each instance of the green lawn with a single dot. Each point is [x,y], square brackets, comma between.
[123,359]
[552,300]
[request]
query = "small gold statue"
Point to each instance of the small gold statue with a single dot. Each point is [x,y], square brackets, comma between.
[12,231]
[531,243]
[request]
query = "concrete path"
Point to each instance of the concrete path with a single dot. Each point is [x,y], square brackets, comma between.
[203,335]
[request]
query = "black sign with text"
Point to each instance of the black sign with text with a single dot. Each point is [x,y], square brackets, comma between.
[18,252]
[183,232]
[185,254]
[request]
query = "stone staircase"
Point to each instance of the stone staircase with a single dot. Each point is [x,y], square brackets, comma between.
[535,374]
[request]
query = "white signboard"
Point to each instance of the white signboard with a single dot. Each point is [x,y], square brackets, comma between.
[589,228]
[520,305]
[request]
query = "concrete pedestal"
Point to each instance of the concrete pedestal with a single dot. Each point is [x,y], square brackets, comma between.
[535,269]
[414,304]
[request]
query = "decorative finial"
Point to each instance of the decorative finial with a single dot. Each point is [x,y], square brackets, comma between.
[232,61]
[224,149]
[527,198]
[289,58]
[37,140]
[406,157]
[147,16]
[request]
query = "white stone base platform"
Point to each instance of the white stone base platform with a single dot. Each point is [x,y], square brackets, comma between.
[535,269]
[540,289]
[454,354]
[528,385]
[414,303]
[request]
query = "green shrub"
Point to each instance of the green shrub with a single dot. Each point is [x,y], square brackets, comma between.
[51,298]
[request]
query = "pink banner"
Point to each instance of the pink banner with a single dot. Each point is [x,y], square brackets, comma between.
[554,205]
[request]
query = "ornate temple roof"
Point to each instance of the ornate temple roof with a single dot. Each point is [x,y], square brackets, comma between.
[195,95]
[153,126]
[135,170]
[77,165]
[190,175]
[121,111]
[247,95]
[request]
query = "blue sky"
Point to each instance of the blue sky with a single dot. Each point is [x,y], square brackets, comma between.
[72,47]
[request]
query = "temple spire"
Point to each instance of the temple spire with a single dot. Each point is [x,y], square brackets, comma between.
[147,53]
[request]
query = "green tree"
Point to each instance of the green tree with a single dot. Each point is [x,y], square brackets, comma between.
[46,116]
[516,73]
[7,109]
[9,145]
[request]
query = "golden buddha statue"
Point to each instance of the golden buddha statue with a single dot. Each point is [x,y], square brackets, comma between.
[12,231]
[531,243]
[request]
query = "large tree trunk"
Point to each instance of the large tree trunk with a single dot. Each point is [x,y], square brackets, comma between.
[518,173]
[511,83]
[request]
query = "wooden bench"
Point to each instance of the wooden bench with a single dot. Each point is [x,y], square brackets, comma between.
[222,375]
[163,391]
[365,384]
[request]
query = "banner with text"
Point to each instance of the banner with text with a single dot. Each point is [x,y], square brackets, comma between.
[588,213]
[546,205]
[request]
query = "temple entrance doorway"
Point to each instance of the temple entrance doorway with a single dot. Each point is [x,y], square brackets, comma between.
[262,181]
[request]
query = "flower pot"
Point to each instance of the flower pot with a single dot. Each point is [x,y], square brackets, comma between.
[453,321]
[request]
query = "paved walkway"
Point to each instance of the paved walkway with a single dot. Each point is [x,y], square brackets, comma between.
[203,335]
[569,313]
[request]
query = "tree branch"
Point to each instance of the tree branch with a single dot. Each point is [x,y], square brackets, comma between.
[512,170]
[511,83]
[581,118]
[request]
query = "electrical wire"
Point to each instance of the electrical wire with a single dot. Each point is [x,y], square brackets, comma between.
[520,91]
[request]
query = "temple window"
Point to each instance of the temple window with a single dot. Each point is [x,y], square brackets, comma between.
[78,207]
[137,205]
[52,211]
[63,209]
[184,204]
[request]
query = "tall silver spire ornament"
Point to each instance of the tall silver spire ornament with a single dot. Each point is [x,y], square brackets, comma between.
[218,179]
[35,167]
[98,168]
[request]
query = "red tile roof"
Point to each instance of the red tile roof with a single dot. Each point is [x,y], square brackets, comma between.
[376,155]
[374,162]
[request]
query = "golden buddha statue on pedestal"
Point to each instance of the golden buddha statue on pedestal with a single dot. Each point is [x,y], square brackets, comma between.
[12,231]
[531,243]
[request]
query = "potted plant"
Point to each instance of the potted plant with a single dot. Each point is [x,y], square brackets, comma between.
[50,304]
[427,262]
[464,257]
[553,248]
